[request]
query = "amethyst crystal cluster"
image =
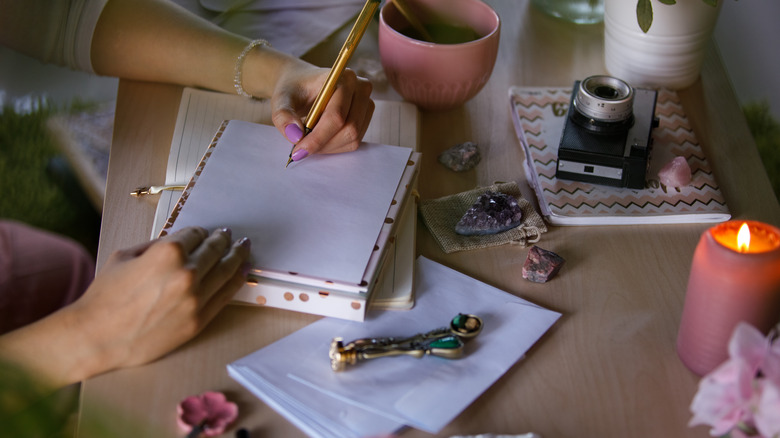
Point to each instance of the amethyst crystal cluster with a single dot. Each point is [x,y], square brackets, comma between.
[492,213]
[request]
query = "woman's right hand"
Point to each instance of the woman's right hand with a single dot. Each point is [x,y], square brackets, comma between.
[145,302]
[342,124]
[150,299]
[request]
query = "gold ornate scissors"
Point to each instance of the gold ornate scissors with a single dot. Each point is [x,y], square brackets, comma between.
[444,342]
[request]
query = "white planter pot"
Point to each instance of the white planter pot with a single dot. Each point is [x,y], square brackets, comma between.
[669,54]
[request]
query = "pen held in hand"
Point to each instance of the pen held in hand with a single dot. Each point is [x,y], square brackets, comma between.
[353,39]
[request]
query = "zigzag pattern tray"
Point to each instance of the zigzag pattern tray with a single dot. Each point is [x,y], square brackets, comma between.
[538,115]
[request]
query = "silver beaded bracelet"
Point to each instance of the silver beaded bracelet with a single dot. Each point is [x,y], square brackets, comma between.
[237,71]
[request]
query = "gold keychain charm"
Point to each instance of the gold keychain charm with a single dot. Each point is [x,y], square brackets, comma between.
[446,342]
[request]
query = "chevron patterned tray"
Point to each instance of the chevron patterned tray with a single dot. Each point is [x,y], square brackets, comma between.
[538,115]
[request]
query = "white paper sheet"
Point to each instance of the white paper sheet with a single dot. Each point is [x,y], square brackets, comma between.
[201,112]
[319,217]
[376,397]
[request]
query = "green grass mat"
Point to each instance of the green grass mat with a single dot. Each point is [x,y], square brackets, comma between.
[37,185]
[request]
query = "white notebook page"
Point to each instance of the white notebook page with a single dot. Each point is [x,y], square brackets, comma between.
[202,112]
[318,218]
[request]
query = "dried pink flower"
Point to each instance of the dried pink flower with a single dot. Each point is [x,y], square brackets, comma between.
[211,409]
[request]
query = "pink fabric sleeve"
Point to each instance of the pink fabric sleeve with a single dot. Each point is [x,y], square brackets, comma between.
[40,272]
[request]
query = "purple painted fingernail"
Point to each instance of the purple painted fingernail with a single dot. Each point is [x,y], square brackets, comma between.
[227,231]
[300,154]
[293,133]
[245,242]
[246,267]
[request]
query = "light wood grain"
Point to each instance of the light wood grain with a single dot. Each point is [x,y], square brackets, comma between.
[607,368]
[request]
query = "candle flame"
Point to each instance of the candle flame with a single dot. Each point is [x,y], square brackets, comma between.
[743,238]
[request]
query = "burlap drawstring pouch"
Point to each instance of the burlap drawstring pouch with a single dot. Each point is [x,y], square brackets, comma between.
[442,214]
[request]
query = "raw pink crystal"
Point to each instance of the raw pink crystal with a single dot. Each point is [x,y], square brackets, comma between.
[541,265]
[676,173]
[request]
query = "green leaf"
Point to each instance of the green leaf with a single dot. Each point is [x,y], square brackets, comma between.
[670,2]
[712,3]
[644,14]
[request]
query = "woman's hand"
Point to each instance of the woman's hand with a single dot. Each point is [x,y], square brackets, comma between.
[155,40]
[144,302]
[344,121]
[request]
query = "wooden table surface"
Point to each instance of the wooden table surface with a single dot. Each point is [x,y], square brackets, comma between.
[607,368]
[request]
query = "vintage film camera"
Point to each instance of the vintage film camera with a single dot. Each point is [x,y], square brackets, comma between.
[606,136]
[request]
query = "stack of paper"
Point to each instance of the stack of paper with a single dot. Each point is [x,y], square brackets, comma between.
[319,228]
[394,123]
[381,396]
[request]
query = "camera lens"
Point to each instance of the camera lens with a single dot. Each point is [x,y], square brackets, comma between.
[605,92]
[604,99]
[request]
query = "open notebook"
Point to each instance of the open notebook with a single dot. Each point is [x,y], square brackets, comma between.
[539,114]
[328,232]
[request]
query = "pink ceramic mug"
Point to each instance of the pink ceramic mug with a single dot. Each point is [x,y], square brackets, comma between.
[439,76]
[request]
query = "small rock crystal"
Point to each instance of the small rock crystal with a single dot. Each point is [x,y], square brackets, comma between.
[676,173]
[461,157]
[541,265]
[492,213]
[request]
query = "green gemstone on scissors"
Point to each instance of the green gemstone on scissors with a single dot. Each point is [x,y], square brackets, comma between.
[449,342]
[460,320]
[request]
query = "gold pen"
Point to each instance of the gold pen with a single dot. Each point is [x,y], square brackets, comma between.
[153,190]
[346,52]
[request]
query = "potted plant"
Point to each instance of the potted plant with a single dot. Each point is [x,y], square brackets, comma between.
[644,11]
[657,43]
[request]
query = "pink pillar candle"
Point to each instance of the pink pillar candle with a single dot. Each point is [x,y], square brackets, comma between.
[735,276]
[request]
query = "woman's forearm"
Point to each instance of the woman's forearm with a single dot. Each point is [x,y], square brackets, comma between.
[50,350]
[154,40]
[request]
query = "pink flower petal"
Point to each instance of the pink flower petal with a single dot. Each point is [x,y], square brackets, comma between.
[724,397]
[771,366]
[720,401]
[192,411]
[212,409]
[748,344]
[767,416]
